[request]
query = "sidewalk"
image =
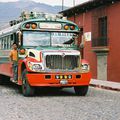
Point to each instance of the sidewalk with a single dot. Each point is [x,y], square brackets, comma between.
[105,84]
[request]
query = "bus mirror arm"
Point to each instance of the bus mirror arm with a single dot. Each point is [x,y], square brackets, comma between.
[19,36]
[82,44]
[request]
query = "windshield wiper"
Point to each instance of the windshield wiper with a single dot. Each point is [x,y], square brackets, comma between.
[69,41]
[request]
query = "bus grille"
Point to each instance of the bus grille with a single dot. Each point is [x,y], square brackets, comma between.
[67,62]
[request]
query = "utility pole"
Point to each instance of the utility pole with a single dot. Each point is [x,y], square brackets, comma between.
[62,4]
[73,3]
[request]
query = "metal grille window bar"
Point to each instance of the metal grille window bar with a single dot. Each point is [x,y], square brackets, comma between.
[68,62]
[101,41]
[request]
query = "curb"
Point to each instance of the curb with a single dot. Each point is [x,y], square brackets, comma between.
[105,84]
[105,87]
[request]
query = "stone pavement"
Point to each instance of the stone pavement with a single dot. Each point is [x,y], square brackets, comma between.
[105,84]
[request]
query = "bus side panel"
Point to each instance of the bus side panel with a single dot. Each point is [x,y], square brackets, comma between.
[6,69]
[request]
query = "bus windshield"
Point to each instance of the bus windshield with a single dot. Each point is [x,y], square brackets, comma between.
[33,38]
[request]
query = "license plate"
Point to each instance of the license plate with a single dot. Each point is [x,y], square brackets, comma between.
[63,82]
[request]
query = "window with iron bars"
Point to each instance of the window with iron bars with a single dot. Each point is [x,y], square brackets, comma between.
[101,39]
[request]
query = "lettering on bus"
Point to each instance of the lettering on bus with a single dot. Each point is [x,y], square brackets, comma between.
[61,34]
[56,26]
[4,52]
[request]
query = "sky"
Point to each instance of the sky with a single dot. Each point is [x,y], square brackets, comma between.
[54,2]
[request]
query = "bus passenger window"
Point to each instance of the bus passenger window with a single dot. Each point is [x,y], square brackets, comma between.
[3,42]
[0,43]
[7,43]
[11,40]
[11,37]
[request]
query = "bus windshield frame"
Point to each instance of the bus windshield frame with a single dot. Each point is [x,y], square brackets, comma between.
[37,38]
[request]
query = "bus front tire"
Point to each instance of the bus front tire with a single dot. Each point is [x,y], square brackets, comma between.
[4,79]
[1,80]
[27,90]
[81,90]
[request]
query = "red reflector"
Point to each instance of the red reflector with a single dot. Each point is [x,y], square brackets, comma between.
[22,51]
[72,27]
[27,26]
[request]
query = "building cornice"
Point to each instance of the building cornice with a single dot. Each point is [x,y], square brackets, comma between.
[87,6]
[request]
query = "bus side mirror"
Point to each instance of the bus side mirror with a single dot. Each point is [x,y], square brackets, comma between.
[82,44]
[19,37]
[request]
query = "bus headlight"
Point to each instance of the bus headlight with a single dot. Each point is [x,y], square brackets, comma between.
[85,67]
[36,67]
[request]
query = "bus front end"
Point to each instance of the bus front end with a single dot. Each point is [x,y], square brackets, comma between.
[52,56]
[56,68]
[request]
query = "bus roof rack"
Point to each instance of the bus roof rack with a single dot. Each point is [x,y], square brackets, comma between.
[32,15]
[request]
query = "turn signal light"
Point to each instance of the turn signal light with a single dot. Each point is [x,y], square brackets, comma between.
[34,26]
[66,27]
[63,77]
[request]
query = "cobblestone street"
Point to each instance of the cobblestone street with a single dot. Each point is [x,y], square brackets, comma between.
[48,45]
[56,104]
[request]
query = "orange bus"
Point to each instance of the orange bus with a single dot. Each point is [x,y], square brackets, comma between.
[48,54]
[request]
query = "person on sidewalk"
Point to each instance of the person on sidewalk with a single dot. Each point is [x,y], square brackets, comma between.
[13,57]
